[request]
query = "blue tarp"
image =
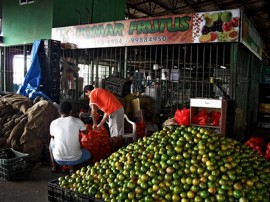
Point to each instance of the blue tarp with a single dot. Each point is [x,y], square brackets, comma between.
[31,85]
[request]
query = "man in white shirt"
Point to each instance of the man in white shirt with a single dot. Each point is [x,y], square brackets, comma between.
[65,146]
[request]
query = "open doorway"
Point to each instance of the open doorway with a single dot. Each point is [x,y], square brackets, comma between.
[18,70]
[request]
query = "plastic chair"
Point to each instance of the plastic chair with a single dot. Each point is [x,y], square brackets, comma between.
[133,133]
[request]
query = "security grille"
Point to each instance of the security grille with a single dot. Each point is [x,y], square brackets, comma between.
[172,73]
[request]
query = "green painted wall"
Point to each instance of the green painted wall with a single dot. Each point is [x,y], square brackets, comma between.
[103,11]
[26,23]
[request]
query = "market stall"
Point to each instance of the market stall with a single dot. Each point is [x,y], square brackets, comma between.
[189,61]
[172,59]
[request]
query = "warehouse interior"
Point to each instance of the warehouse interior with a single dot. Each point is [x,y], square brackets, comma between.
[154,81]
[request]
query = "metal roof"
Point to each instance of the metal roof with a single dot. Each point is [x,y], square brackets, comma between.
[258,11]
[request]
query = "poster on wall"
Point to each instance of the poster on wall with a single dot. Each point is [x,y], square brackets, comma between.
[216,26]
[210,27]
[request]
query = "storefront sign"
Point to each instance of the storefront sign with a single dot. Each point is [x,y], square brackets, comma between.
[250,37]
[219,26]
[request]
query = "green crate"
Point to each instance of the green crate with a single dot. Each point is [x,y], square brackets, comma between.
[13,164]
[59,194]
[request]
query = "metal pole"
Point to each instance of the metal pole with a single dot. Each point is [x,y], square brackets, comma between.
[25,59]
[4,69]
[125,62]
[1,68]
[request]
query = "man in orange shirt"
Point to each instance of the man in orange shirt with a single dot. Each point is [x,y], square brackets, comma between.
[104,100]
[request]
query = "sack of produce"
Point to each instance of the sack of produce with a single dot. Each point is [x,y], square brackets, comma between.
[169,122]
[20,102]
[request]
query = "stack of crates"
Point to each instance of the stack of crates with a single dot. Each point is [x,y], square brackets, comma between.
[49,58]
[118,86]
[14,164]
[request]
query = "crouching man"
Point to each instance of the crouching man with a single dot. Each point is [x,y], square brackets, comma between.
[65,149]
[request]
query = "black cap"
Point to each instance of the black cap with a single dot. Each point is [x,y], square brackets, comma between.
[88,87]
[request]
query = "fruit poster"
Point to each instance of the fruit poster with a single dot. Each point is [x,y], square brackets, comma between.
[209,27]
[216,26]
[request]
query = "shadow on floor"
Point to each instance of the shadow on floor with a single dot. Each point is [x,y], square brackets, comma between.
[31,189]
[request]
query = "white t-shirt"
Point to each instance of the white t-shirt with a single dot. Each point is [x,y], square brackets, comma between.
[66,138]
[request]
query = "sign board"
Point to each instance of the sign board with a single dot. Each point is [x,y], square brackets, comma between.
[250,37]
[210,27]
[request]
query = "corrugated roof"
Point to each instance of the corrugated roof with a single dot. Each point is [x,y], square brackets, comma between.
[257,11]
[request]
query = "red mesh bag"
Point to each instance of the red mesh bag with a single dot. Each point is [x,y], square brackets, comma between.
[140,129]
[98,143]
[200,118]
[256,143]
[267,151]
[215,117]
[182,117]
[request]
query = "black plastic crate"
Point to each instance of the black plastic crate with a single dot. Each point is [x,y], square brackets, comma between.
[49,52]
[50,80]
[59,194]
[119,86]
[51,89]
[54,72]
[54,64]
[52,44]
[55,98]
[48,62]
[50,94]
[52,55]
[50,75]
[50,69]
[14,164]
[45,56]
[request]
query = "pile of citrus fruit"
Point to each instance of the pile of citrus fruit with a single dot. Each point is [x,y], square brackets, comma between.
[176,164]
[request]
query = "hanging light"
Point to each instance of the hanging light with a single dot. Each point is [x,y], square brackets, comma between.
[155,67]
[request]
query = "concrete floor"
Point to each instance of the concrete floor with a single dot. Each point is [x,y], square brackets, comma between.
[32,189]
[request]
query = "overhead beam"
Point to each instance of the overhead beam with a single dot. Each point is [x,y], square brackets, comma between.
[138,9]
[149,7]
[140,3]
[129,15]
[191,5]
[165,7]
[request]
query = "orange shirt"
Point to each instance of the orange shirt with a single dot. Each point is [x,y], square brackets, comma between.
[105,100]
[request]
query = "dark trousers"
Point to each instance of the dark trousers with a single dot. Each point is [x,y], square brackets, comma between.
[116,142]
